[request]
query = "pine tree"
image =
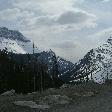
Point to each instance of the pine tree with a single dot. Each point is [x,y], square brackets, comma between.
[55,71]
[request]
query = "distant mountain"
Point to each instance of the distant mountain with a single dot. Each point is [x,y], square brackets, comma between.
[13,41]
[63,64]
[96,63]
[12,34]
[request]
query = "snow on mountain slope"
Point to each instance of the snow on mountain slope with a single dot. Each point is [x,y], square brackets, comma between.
[15,42]
[96,63]
[63,65]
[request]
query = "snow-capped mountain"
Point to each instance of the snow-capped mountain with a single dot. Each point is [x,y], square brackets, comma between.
[15,42]
[97,63]
[63,64]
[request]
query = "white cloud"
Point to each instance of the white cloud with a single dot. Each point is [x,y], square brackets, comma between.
[101,36]
[10,13]
[17,16]
[46,6]
[80,18]
[58,23]
[54,14]
[105,0]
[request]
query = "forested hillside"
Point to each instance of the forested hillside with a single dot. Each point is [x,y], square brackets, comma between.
[26,73]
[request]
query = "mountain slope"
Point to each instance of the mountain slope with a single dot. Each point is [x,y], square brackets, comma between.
[97,63]
[14,41]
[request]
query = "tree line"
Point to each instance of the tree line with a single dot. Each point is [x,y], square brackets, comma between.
[29,76]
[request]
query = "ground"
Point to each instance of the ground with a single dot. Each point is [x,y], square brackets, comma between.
[90,97]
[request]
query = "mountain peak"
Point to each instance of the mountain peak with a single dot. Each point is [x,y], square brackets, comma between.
[97,64]
[15,41]
[12,34]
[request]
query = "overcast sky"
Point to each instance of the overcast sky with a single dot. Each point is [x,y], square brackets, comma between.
[69,27]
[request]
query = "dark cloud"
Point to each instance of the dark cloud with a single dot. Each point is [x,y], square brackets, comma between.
[66,45]
[72,17]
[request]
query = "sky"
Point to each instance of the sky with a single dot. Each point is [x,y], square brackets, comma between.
[69,27]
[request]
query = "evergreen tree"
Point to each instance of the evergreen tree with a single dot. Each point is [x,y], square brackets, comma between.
[54,71]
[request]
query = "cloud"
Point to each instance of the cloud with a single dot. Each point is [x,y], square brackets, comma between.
[17,16]
[45,6]
[101,36]
[69,49]
[105,0]
[67,26]
[66,45]
[38,14]
[51,23]
[77,17]
[71,17]
[11,13]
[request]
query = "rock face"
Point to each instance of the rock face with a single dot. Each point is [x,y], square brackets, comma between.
[12,34]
